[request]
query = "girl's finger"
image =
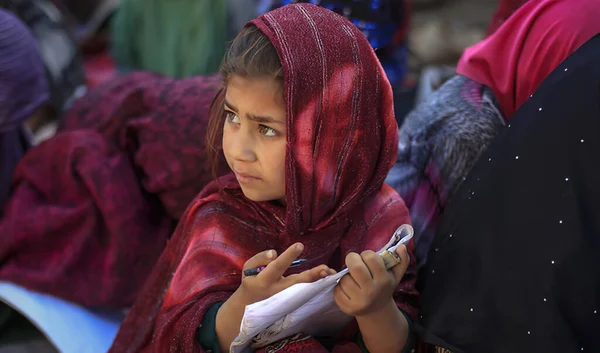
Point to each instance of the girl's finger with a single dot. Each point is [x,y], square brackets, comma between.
[358,269]
[308,276]
[399,269]
[349,286]
[275,270]
[375,265]
[261,259]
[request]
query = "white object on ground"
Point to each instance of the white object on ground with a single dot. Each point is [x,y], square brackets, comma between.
[69,327]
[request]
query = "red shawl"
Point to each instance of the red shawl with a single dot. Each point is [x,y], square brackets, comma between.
[341,143]
[515,60]
[92,207]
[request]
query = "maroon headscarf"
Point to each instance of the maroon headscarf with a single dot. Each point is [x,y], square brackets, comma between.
[93,206]
[341,143]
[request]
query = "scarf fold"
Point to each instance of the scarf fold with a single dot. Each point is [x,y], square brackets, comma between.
[93,206]
[515,60]
[341,143]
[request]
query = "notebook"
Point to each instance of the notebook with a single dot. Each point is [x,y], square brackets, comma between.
[69,327]
[307,308]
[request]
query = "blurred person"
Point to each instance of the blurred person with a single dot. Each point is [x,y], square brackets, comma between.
[23,96]
[60,55]
[514,266]
[92,207]
[176,38]
[384,23]
[444,136]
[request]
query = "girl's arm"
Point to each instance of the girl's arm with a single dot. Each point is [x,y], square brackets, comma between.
[384,331]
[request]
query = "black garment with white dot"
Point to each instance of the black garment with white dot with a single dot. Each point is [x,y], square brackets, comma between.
[517,255]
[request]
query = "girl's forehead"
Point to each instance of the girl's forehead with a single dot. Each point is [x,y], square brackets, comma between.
[266,88]
[256,96]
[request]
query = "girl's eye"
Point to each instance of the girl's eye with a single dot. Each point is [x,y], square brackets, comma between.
[231,117]
[267,131]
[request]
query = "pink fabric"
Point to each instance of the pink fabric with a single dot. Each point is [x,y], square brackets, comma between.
[341,143]
[515,60]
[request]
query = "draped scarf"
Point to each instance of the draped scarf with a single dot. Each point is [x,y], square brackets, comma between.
[516,58]
[341,143]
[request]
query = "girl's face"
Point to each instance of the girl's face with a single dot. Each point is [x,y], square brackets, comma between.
[254,136]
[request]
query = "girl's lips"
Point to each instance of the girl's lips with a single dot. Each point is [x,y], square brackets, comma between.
[245,178]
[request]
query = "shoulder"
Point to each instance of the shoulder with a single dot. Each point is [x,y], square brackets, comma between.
[385,205]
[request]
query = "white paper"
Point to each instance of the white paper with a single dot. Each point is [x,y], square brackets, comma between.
[307,308]
[69,327]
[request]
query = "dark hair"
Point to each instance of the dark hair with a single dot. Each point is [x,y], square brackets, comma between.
[250,54]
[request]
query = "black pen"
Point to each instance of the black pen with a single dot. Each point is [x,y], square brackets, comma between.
[257,270]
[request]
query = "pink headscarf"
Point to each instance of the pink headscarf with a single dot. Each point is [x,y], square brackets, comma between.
[515,60]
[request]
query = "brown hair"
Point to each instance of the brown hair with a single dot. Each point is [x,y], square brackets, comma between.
[250,54]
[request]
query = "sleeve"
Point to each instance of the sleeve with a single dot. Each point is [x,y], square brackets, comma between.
[207,331]
[199,268]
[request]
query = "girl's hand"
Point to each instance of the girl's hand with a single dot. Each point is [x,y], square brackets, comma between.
[368,287]
[270,281]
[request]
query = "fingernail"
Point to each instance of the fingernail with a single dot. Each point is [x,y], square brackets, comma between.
[299,247]
[270,254]
[324,274]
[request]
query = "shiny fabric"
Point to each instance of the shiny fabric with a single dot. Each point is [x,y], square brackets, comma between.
[509,61]
[341,143]
[23,90]
[515,266]
[93,206]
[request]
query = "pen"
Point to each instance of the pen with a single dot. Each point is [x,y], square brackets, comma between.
[257,270]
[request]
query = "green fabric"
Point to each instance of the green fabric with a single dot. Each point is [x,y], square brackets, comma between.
[410,345]
[177,38]
[207,331]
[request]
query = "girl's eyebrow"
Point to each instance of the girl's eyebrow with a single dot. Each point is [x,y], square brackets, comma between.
[257,118]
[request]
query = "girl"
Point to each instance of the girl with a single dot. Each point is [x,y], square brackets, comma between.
[307,127]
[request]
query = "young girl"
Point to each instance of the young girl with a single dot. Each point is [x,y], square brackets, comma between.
[308,130]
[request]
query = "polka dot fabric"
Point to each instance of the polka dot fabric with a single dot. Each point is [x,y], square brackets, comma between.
[516,263]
